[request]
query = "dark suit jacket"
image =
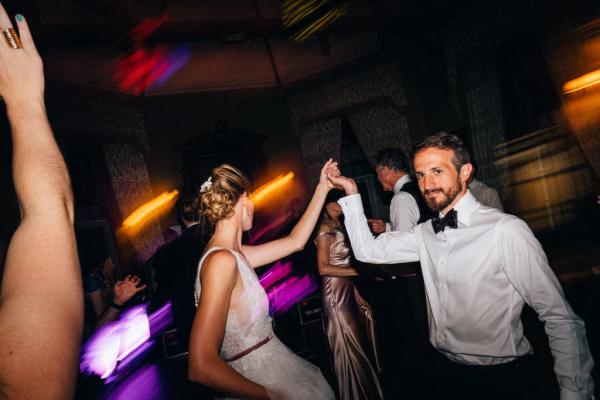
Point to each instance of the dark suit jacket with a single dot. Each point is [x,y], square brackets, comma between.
[176,265]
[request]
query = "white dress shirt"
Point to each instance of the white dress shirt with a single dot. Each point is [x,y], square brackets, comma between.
[477,279]
[404,211]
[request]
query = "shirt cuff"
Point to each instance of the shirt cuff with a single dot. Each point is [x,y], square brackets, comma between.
[351,204]
[568,395]
[388,227]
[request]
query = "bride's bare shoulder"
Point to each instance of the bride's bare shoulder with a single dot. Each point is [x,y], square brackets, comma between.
[221,262]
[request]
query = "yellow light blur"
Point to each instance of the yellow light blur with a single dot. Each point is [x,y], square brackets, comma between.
[584,81]
[264,191]
[150,209]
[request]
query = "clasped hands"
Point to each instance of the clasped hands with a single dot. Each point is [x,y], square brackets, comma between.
[332,178]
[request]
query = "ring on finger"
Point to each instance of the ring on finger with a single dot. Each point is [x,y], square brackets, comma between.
[12,37]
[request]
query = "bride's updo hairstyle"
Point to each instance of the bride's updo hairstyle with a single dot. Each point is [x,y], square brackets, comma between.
[221,192]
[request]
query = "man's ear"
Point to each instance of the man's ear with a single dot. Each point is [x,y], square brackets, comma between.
[465,172]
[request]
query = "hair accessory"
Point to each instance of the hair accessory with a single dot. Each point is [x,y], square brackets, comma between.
[206,185]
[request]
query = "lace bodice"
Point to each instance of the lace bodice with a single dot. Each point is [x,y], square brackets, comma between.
[248,320]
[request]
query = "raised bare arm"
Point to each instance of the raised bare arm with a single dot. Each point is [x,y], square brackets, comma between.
[41,312]
[277,249]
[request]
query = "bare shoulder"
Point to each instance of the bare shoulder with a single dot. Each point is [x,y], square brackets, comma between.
[221,262]
[324,228]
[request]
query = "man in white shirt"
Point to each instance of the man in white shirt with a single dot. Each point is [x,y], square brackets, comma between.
[392,171]
[480,267]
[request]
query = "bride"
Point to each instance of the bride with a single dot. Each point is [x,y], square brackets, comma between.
[233,348]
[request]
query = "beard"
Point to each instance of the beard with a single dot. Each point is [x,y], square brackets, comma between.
[449,195]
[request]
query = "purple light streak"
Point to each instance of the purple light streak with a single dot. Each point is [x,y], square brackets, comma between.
[283,296]
[290,289]
[128,336]
[143,384]
[276,273]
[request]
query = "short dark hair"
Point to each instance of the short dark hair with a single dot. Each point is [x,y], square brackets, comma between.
[446,141]
[188,209]
[393,158]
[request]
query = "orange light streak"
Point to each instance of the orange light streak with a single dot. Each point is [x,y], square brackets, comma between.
[262,192]
[584,81]
[150,209]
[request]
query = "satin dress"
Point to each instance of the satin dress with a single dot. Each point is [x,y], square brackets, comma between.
[350,329]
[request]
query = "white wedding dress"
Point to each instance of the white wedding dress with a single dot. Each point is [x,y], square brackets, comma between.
[271,365]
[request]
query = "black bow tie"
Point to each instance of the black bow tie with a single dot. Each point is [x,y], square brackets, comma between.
[449,220]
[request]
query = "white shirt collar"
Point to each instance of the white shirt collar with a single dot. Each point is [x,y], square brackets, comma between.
[465,207]
[401,182]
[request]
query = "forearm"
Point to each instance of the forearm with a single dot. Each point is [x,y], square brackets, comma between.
[387,248]
[41,287]
[41,293]
[40,175]
[218,375]
[303,229]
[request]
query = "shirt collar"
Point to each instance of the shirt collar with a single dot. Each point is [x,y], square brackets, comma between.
[401,182]
[465,207]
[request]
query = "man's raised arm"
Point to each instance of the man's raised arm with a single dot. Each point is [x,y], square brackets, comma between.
[387,248]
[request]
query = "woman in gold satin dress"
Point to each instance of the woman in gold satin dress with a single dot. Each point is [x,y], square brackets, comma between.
[348,318]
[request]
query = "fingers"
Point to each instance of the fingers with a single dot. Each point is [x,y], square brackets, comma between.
[5,21]
[25,35]
[133,279]
[140,288]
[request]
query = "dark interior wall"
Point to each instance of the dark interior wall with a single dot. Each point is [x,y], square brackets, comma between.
[173,120]
[136,142]
[477,45]
[9,215]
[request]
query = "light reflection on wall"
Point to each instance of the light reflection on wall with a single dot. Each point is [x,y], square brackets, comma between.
[148,212]
[267,191]
[545,178]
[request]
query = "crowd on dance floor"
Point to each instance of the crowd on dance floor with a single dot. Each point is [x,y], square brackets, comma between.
[459,268]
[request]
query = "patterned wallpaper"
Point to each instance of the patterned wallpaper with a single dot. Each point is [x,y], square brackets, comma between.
[380,127]
[131,186]
[117,125]
[319,143]
[316,115]
[486,120]
[469,44]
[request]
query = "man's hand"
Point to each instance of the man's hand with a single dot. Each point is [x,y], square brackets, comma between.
[377,225]
[126,289]
[346,184]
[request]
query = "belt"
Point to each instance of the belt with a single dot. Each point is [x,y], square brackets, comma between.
[248,350]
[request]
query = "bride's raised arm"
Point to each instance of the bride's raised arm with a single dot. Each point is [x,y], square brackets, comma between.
[272,251]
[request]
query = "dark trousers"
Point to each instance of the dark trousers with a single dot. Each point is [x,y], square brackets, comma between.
[400,313]
[509,381]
